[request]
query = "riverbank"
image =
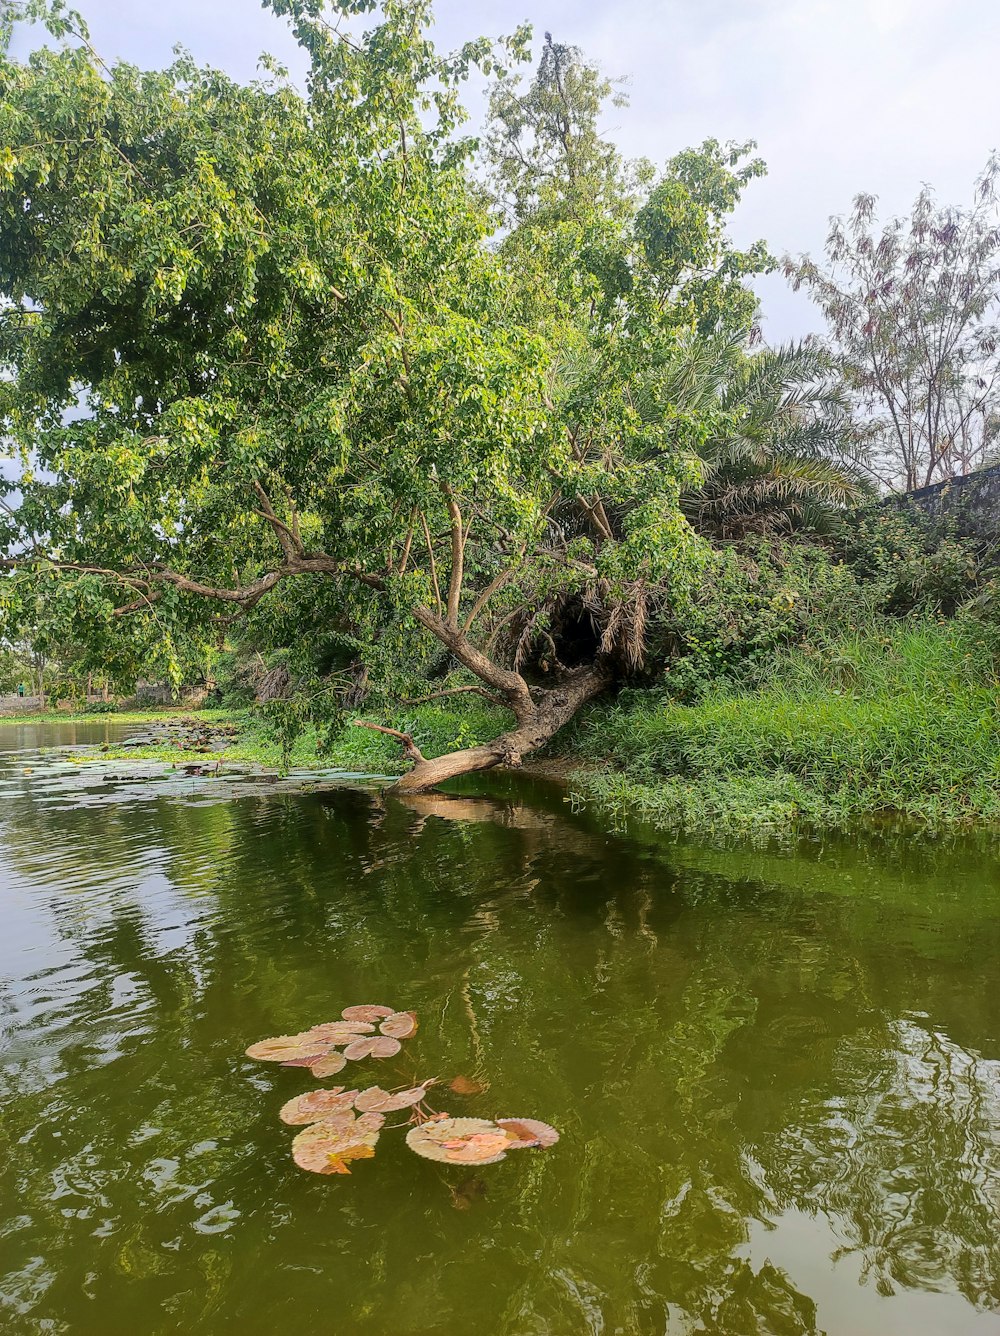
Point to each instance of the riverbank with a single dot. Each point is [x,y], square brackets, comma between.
[899,723]
[904,724]
[116,716]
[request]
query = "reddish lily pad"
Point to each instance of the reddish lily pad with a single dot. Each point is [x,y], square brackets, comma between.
[525,1132]
[378,1100]
[375,1046]
[317,1106]
[368,1012]
[339,1032]
[325,1148]
[466,1085]
[286,1048]
[338,1163]
[459,1141]
[309,1059]
[480,1148]
[368,1122]
[328,1065]
[400,1025]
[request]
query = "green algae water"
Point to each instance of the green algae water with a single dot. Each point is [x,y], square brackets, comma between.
[776,1074]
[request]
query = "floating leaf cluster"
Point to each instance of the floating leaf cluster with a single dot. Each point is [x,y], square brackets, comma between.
[317,1047]
[341,1125]
[477,1140]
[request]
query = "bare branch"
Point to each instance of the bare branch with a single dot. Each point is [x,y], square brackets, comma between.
[433,563]
[286,536]
[410,748]
[457,691]
[457,556]
[408,542]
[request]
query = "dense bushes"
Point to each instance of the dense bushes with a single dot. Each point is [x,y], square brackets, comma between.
[898,719]
[757,598]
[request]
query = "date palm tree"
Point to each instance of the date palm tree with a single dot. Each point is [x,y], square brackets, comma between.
[781,453]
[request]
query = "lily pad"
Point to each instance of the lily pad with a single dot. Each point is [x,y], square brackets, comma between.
[286,1048]
[325,1148]
[525,1132]
[467,1085]
[338,1163]
[328,1065]
[369,1012]
[309,1059]
[368,1122]
[481,1148]
[340,1032]
[459,1141]
[317,1106]
[377,1100]
[400,1025]
[375,1046]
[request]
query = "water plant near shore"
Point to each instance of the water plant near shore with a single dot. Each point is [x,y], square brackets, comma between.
[899,720]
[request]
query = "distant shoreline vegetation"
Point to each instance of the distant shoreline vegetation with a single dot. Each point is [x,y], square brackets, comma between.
[900,721]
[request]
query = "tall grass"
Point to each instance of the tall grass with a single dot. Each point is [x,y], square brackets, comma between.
[895,718]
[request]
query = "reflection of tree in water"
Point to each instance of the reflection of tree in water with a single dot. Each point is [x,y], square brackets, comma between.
[716,1052]
[904,1162]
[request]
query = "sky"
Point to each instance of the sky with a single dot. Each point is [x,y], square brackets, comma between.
[842,96]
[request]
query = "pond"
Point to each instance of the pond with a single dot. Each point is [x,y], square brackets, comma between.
[776,1073]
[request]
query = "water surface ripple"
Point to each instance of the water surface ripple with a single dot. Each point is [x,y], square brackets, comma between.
[777,1073]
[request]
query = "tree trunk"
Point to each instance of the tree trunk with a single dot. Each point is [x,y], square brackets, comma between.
[554,707]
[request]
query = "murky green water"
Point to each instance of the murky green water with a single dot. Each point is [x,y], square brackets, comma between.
[777,1077]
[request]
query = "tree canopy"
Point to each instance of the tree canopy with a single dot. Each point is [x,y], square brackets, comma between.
[272,354]
[913,311]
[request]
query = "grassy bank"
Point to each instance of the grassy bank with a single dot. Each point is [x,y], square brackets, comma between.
[253,741]
[903,720]
[98,716]
[900,720]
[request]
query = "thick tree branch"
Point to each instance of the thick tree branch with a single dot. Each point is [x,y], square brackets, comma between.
[147,577]
[555,708]
[494,586]
[457,556]
[290,544]
[510,685]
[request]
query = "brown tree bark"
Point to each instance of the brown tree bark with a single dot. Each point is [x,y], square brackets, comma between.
[550,709]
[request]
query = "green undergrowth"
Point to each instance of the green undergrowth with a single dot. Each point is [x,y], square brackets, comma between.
[435,729]
[256,741]
[901,720]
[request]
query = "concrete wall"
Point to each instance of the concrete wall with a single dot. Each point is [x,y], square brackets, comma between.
[971,503]
[14,704]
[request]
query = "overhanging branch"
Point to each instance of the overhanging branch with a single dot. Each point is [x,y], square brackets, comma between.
[411,749]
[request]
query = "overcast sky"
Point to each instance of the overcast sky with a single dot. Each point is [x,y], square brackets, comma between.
[841,95]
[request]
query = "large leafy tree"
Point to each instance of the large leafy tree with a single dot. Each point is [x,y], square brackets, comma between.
[913,312]
[254,341]
[654,307]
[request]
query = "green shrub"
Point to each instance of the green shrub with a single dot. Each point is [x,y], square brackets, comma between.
[905,720]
